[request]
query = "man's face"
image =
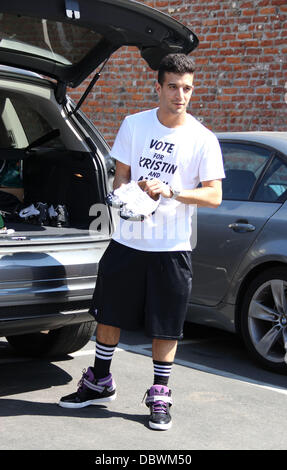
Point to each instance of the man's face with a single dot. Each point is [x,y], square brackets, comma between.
[175,92]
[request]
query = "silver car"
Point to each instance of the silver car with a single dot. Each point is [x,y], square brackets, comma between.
[54,164]
[240,258]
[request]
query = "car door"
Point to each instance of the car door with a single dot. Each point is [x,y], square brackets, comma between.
[225,234]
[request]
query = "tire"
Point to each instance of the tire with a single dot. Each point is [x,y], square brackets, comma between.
[264,319]
[57,342]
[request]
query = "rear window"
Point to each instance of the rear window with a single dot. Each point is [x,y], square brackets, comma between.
[65,43]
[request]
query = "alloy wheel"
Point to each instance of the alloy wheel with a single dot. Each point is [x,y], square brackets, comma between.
[267,320]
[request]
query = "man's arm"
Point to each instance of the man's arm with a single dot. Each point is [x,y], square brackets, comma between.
[122,174]
[209,195]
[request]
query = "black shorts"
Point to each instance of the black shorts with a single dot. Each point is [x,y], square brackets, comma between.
[138,289]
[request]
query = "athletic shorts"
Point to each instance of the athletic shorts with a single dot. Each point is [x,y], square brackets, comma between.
[142,289]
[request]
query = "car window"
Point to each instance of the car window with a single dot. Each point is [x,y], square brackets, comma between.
[243,163]
[66,43]
[21,123]
[273,187]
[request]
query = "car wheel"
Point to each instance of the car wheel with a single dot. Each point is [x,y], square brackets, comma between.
[264,319]
[64,340]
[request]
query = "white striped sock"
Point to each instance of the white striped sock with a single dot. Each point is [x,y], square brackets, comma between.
[162,371]
[104,352]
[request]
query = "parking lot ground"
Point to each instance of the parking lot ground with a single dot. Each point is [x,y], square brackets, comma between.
[222,401]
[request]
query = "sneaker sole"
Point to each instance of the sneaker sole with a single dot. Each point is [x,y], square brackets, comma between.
[160,427]
[65,404]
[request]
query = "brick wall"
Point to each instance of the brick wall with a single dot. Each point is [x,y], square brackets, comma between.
[241,78]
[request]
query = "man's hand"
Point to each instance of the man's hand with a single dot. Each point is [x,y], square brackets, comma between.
[209,195]
[154,188]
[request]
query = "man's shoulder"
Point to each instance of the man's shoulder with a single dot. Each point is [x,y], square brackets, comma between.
[199,129]
[139,116]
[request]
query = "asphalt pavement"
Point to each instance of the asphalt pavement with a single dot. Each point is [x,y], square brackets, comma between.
[222,400]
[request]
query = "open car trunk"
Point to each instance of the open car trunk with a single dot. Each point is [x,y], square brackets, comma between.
[62,172]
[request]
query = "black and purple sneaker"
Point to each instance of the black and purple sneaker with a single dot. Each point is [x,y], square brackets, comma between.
[91,391]
[159,401]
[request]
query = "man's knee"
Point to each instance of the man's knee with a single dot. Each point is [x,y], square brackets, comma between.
[107,334]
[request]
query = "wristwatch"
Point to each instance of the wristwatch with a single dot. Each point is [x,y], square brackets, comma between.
[174,193]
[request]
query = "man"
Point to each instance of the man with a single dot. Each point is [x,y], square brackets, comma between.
[145,274]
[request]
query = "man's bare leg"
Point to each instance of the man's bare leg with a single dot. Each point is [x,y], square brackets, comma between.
[163,353]
[108,334]
[163,350]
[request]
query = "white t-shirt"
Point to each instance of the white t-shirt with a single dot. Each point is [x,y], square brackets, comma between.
[182,157]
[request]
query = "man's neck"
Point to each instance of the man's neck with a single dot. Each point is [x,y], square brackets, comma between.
[171,120]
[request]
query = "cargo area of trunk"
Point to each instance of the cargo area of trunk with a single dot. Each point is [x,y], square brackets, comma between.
[33,230]
[47,159]
[58,178]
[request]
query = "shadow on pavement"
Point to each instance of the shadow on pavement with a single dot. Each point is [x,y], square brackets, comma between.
[15,407]
[28,374]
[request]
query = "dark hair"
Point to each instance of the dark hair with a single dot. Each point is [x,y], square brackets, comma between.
[175,63]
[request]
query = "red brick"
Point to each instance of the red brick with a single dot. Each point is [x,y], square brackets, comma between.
[268,11]
[240,83]
[249,12]
[260,19]
[269,50]
[263,90]
[247,5]
[252,51]
[244,36]
[263,3]
[230,91]
[278,2]
[233,60]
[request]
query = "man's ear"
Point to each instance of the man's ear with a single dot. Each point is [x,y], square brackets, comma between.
[158,88]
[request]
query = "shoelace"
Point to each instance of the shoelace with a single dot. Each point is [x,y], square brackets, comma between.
[81,381]
[159,407]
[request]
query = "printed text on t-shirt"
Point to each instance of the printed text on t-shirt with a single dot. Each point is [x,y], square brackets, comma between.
[156,161]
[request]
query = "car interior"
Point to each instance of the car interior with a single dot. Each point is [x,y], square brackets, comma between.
[41,160]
